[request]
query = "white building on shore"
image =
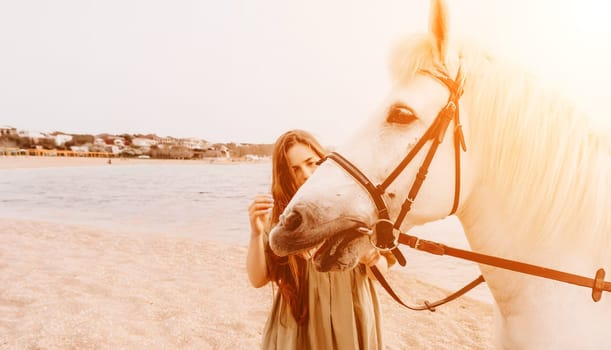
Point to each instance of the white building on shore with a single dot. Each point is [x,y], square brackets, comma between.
[143,142]
[7,130]
[35,135]
[61,139]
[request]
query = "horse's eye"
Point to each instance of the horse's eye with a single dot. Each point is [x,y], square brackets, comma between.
[400,114]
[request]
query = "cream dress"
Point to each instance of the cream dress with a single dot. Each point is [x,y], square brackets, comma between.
[343,314]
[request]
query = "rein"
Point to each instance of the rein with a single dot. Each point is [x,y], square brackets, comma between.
[385,234]
[597,284]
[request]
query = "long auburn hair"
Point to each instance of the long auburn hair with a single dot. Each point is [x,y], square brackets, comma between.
[289,272]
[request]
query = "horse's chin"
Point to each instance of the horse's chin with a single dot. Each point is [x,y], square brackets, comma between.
[339,243]
[340,252]
[287,242]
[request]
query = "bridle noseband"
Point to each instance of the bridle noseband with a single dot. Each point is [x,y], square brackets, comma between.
[385,232]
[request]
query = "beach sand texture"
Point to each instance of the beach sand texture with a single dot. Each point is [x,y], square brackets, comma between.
[74,287]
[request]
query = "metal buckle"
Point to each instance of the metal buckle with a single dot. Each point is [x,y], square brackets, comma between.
[417,243]
[386,245]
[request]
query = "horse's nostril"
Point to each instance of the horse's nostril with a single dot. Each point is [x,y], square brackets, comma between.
[292,221]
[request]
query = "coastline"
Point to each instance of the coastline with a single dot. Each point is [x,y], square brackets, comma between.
[70,286]
[17,162]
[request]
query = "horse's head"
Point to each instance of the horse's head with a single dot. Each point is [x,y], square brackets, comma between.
[337,206]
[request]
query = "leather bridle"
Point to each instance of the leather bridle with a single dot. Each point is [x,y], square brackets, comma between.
[385,232]
[386,235]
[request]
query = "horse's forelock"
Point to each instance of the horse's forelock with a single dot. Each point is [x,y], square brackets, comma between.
[438,24]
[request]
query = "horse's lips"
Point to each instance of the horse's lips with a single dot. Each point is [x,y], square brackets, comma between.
[325,255]
[287,242]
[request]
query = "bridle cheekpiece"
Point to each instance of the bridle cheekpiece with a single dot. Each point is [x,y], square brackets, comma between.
[384,234]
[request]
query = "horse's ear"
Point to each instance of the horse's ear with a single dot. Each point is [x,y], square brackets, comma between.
[438,22]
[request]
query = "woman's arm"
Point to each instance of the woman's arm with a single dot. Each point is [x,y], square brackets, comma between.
[255,261]
[258,213]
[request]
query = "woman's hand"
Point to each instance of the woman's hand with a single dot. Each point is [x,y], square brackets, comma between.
[370,258]
[258,213]
[374,258]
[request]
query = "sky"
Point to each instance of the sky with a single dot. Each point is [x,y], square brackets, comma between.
[246,71]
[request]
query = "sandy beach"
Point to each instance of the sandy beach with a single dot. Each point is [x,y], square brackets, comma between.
[65,286]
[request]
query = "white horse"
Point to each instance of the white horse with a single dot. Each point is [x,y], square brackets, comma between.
[534,187]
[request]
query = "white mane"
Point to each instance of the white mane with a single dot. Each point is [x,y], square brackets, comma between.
[541,153]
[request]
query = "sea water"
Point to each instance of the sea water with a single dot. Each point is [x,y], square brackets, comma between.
[200,201]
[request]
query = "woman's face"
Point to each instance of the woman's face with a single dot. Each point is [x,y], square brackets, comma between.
[302,160]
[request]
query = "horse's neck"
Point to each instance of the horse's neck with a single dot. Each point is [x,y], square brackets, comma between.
[536,312]
[544,194]
[493,225]
[544,176]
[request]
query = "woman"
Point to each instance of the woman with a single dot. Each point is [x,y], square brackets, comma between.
[312,310]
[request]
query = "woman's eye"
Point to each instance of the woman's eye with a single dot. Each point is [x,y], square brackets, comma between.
[400,114]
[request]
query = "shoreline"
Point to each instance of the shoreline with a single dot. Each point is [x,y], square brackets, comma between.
[20,162]
[71,286]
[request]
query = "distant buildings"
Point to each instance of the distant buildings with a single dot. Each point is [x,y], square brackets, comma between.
[125,145]
[7,130]
[35,135]
[143,142]
[61,139]
[194,143]
[119,142]
[216,151]
[79,149]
